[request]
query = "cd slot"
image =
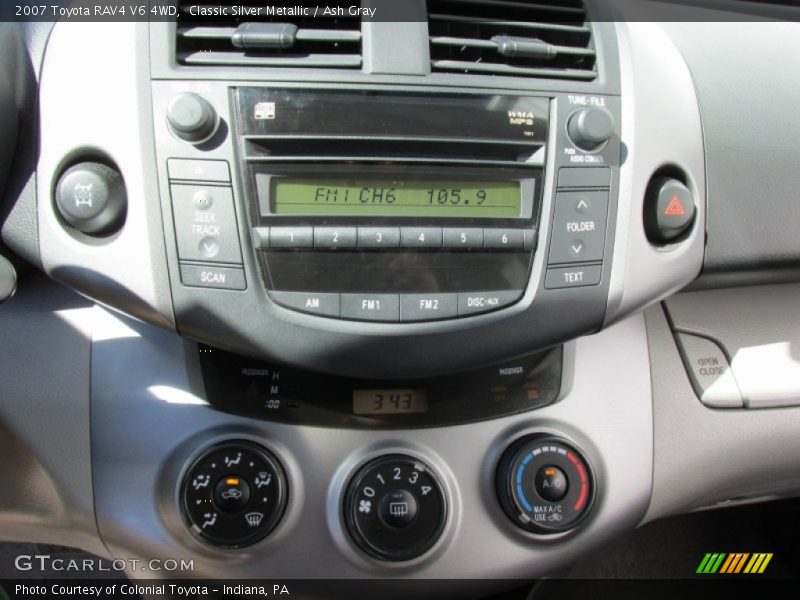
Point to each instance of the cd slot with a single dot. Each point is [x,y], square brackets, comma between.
[383,149]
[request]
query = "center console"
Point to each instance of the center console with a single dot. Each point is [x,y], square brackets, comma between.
[362,295]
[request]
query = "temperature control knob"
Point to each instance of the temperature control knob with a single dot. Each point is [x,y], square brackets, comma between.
[591,127]
[544,485]
[234,494]
[192,118]
[395,508]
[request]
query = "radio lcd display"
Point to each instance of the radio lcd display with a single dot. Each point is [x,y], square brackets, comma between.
[391,198]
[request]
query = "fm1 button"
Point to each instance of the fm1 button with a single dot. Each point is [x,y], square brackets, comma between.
[551,483]
[232,493]
[398,508]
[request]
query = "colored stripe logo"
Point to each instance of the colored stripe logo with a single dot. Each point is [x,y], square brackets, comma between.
[734,563]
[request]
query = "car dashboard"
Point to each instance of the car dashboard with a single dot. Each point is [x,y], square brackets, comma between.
[404,294]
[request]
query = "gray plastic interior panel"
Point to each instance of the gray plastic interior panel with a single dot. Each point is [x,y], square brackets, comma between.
[753,178]
[8,107]
[45,345]
[704,457]
[661,128]
[758,329]
[21,50]
[126,269]
[146,429]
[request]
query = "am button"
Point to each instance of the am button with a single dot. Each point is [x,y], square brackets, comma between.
[310,302]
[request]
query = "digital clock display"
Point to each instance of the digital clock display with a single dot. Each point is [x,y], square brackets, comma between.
[391,198]
[389,402]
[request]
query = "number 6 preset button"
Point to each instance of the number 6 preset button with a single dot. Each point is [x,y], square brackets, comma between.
[503,239]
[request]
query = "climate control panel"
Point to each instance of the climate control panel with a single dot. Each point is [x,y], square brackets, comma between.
[544,485]
[234,494]
[395,508]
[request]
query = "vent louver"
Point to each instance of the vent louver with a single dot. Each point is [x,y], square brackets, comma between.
[518,38]
[258,34]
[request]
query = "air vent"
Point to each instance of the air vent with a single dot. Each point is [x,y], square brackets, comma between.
[517,38]
[258,34]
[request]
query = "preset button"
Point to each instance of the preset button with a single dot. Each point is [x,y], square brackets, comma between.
[378,237]
[462,238]
[291,237]
[421,237]
[503,239]
[334,237]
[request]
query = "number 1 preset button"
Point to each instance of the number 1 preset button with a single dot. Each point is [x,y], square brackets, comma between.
[291,237]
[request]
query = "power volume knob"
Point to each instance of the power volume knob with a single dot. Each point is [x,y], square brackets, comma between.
[590,128]
[192,118]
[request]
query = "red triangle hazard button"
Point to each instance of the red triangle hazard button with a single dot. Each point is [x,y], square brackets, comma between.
[674,208]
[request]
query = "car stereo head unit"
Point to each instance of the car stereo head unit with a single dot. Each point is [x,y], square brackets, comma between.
[392,207]
[366,229]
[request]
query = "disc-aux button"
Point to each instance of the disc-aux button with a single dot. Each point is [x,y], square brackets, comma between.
[478,302]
